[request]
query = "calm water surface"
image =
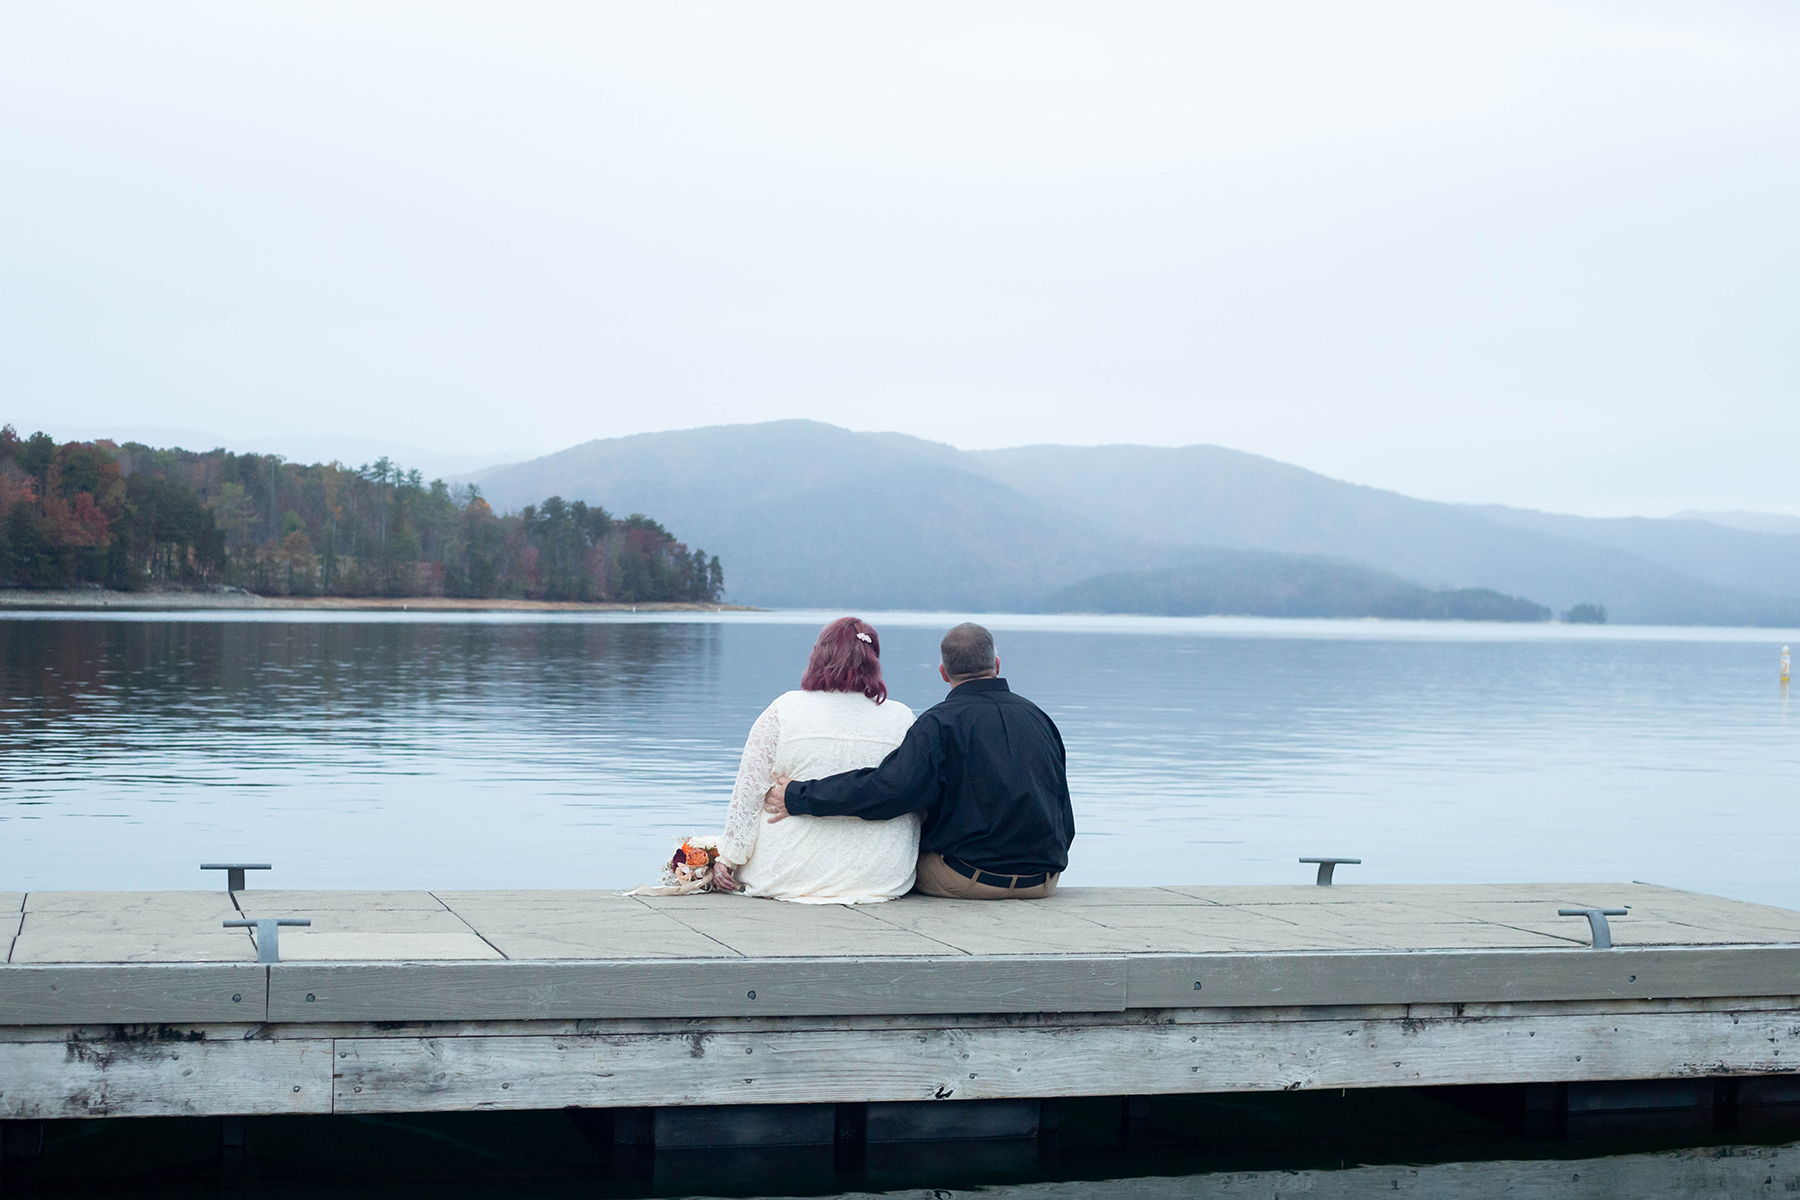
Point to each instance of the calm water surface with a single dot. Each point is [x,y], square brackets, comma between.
[406,750]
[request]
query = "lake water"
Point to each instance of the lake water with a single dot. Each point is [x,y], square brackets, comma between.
[413,750]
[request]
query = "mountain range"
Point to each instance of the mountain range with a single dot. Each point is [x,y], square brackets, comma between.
[806,514]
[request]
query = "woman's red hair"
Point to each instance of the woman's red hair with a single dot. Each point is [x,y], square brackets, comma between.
[843,662]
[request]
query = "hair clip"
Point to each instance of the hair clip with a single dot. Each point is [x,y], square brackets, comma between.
[863,637]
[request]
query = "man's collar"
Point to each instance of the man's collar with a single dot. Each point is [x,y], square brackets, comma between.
[971,686]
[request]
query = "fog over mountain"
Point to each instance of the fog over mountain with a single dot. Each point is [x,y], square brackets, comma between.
[1755,522]
[804,513]
[1714,552]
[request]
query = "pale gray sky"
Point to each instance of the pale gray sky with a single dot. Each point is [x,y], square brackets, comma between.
[1536,253]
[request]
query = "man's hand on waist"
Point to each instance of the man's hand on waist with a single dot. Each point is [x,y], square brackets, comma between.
[775,801]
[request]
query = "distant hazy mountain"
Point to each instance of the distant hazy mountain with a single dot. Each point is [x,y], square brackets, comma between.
[1748,560]
[1260,584]
[808,514]
[1755,522]
[1208,495]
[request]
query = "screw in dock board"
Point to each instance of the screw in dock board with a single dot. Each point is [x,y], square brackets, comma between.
[1326,865]
[268,944]
[1596,922]
[234,872]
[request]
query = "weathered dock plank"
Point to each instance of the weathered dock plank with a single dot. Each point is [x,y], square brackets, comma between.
[307,992]
[798,930]
[147,1076]
[1348,891]
[288,902]
[579,925]
[1654,924]
[1460,977]
[726,1066]
[123,927]
[132,994]
[355,933]
[424,991]
[982,927]
[1393,925]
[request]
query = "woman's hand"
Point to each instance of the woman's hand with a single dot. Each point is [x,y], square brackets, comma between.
[723,880]
[775,801]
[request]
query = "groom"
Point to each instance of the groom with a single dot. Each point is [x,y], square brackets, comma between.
[985,766]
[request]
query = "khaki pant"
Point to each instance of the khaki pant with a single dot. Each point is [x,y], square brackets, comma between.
[937,879]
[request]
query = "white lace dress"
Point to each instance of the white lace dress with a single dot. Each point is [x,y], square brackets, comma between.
[819,860]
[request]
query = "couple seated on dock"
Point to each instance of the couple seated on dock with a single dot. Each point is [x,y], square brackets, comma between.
[863,803]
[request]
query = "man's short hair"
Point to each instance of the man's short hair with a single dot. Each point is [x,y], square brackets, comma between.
[968,650]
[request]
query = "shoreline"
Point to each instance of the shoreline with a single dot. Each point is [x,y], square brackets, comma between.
[96,599]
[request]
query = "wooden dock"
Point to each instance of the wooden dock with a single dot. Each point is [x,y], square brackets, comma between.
[143,1003]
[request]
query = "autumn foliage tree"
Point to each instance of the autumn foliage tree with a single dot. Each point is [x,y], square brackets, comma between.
[133,516]
[70,515]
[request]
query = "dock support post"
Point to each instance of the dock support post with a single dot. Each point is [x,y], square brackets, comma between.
[1640,1107]
[1134,1121]
[965,1120]
[634,1143]
[850,1153]
[714,1126]
[1766,1105]
[234,1139]
[21,1139]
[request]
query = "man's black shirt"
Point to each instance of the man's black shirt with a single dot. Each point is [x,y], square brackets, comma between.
[986,768]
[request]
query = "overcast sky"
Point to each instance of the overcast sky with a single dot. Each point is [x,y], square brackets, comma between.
[1535,253]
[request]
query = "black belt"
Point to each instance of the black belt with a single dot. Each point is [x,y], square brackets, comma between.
[993,878]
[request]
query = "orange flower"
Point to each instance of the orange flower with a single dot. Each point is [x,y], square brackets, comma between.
[696,856]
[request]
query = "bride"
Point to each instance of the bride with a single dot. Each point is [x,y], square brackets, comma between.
[839,720]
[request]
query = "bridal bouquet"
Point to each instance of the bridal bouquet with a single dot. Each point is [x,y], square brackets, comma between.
[689,870]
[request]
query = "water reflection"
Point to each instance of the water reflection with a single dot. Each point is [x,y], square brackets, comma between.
[443,751]
[1737,1171]
[503,1156]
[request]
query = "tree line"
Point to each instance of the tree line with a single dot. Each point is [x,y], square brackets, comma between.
[133,517]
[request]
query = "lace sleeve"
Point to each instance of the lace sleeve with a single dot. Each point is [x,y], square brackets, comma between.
[756,775]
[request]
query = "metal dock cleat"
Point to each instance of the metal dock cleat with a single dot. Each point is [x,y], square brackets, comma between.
[268,943]
[1326,865]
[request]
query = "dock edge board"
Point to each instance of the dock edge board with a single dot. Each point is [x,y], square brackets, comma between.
[302,992]
[789,987]
[133,993]
[1460,977]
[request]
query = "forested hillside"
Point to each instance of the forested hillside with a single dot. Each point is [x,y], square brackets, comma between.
[1255,583]
[133,517]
